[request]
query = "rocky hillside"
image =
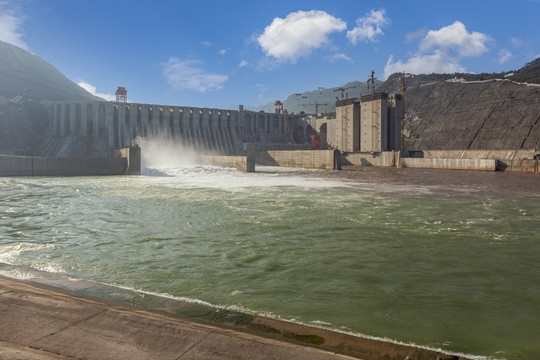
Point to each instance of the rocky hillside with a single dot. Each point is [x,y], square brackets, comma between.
[497,111]
[493,114]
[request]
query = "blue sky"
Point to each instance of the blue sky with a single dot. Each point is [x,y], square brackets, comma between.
[224,53]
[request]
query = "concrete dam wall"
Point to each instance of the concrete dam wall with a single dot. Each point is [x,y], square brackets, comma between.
[97,128]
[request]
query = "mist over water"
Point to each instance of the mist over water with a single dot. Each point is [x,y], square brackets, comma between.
[413,264]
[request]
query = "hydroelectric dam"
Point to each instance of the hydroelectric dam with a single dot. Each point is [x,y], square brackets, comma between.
[97,128]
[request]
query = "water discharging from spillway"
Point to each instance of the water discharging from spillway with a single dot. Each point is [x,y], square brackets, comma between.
[450,270]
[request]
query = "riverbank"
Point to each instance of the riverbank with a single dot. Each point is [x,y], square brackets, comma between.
[43,322]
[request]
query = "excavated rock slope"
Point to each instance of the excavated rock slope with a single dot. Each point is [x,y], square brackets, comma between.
[498,115]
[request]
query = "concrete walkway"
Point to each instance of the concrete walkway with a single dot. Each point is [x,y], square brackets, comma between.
[39,323]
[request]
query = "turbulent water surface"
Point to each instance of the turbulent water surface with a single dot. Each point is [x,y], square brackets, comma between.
[457,271]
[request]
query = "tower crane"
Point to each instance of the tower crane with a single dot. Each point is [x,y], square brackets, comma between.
[372,79]
[316,106]
[16,99]
[342,89]
[402,88]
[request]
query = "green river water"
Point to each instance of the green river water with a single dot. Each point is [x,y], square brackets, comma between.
[457,271]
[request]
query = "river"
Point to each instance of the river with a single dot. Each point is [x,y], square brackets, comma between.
[451,269]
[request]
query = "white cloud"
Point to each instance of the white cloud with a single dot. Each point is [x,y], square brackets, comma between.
[455,37]
[441,51]
[222,52]
[298,34]
[437,62]
[517,42]
[415,35]
[207,44]
[187,74]
[92,90]
[243,63]
[369,26]
[261,93]
[266,63]
[504,56]
[338,56]
[9,27]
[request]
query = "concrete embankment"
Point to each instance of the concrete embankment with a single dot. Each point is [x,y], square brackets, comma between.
[384,158]
[43,323]
[520,165]
[450,164]
[508,160]
[243,163]
[126,162]
[479,160]
[505,160]
[394,159]
[306,159]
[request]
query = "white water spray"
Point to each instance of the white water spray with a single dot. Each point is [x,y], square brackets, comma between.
[165,153]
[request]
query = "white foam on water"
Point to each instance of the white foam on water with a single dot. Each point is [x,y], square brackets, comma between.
[15,273]
[10,253]
[173,164]
[163,153]
[202,176]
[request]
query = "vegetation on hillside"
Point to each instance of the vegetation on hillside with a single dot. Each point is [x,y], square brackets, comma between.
[530,73]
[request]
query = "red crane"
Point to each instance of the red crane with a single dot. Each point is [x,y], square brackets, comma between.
[121,94]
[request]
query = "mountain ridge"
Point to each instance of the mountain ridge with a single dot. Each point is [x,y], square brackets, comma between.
[21,70]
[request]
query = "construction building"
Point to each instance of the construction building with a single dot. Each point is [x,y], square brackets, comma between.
[370,124]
